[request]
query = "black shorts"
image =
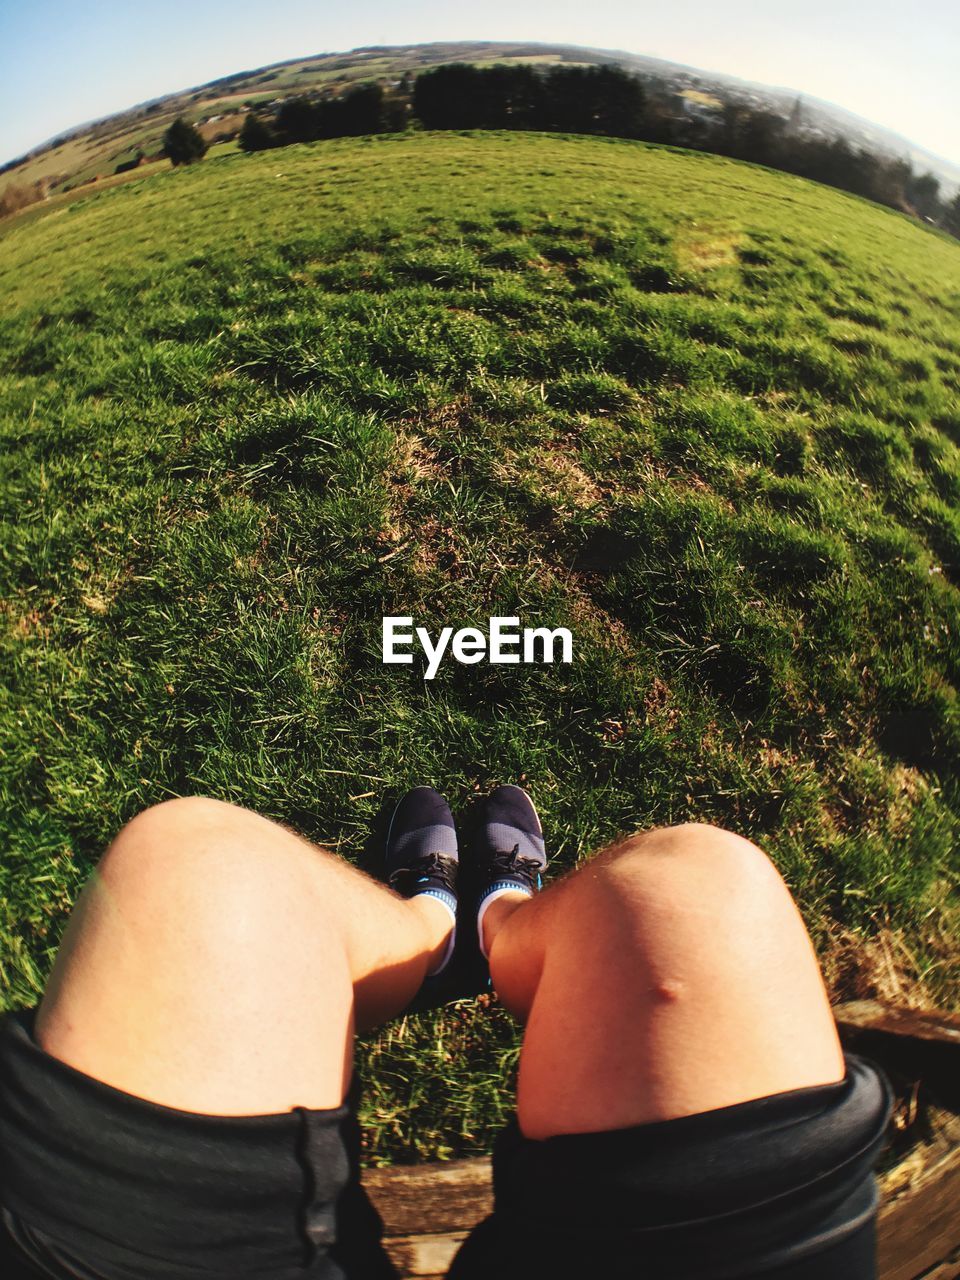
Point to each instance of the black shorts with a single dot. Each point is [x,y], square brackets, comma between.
[98,1185]
[779,1188]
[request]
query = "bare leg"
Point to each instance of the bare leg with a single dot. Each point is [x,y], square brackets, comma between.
[670,975]
[218,963]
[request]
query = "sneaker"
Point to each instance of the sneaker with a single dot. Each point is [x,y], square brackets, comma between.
[421,853]
[511,856]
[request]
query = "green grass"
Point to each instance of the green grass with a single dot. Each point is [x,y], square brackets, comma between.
[705,414]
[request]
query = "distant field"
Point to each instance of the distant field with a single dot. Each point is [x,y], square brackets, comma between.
[81,160]
[705,414]
[96,150]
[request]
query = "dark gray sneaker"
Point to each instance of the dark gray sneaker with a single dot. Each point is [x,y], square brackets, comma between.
[510,849]
[421,853]
[422,858]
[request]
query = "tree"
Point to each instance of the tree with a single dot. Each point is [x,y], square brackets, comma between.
[182,143]
[951,217]
[923,192]
[396,113]
[572,99]
[745,134]
[448,97]
[300,120]
[360,111]
[256,134]
[603,99]
[619,102]
[511,98]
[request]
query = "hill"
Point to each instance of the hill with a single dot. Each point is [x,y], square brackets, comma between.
[92,151]
[703,414]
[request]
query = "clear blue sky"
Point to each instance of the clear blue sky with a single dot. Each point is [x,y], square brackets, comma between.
[65,61]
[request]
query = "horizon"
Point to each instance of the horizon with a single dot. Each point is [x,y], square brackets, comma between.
[547,44]
[76,65]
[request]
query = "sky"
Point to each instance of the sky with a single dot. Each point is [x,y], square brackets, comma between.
[63,62]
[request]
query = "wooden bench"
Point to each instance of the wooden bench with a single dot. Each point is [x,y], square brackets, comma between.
[427,1210]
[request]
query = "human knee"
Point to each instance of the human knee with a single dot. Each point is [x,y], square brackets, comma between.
[170,817]
[651,908]
[214,870]
[682,864]
[699,843]
[215,849]
[166,831]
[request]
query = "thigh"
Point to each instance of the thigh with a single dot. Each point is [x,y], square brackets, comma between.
[204,968]
[217,962]
[673,975]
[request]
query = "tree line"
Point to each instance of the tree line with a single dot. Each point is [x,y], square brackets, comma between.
[601,100]
[567,99]
[765,138]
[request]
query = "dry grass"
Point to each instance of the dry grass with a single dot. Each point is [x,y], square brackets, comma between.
[913,973]
[702,248]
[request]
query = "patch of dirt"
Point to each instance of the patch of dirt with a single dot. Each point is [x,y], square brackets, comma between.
[434,548]
[571,481]
[659,705]
[416,461]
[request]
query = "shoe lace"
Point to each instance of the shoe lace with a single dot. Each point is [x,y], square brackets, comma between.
[429,866]
[511,861]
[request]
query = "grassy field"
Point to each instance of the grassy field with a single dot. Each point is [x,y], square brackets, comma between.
[706,415]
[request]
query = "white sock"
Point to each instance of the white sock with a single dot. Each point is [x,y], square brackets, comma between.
[492,897]
[451,942]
